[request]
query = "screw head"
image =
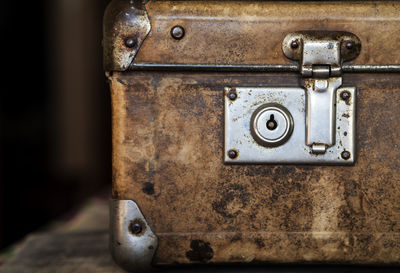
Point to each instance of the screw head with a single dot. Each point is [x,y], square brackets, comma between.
[232,95]
[349,44]
[345,95]
[294,44]
[130,42]
[177,32]
[232,154]
[136,228]
[346,155]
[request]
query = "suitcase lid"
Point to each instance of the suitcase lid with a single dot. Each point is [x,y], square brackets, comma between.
[241,35]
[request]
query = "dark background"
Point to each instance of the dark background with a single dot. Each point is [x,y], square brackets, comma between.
[54,112]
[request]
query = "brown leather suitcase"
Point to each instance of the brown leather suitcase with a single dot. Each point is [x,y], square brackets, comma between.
[254,131]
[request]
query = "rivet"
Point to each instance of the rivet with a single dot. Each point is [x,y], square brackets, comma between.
[349,44]
[232,154]
[294,44]
[345,95]
[130,42]
[346,155]
[177,32]
[232,95]
[136,228]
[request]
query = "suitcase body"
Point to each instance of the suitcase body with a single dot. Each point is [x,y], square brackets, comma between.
[183,72]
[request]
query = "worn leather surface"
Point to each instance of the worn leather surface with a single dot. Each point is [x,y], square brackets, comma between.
[251,32]
[168,157]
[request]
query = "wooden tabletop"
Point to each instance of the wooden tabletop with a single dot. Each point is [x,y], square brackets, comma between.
[79,244]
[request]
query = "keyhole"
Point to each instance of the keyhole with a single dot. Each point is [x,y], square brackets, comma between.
[271,123]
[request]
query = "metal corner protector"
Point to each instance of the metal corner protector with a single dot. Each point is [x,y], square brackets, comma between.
[132,242]
[125,27]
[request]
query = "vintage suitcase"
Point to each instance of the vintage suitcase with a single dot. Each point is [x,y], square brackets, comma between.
[254,131]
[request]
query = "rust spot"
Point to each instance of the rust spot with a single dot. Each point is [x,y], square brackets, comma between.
[259,242]
[346,115]
[236,237]
[148,188]
[234,198]
[201,251]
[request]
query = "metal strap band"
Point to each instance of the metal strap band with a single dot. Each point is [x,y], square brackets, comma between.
[392,68]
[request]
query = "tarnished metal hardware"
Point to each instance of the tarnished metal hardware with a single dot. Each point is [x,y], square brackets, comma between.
[177,32]
[320,109]
[130,42]
[321,49]
[248,150]
[132,242]
[348,68]
[271,125]
[232,154]
[260,122]
[126,26]
[346,155]
[321,55]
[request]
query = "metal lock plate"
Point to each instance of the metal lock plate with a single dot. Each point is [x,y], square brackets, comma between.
[243,118]
[314,124]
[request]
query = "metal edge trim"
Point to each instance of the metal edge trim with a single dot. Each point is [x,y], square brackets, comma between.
[392,68]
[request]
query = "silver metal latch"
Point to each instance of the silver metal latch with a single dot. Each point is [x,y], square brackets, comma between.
[312,124]
[321,55]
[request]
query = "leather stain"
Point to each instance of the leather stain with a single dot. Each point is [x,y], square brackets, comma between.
[201,251]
